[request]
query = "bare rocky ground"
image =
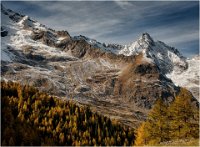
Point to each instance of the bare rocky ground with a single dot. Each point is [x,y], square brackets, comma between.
[89,82]
[93,82]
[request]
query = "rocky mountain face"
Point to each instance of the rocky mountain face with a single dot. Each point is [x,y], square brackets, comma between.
[120,81]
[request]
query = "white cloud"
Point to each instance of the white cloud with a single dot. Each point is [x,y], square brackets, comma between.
[123,4]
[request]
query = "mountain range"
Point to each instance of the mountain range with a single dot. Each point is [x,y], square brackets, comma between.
[119,81]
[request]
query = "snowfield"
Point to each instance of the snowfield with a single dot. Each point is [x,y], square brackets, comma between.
[189,78]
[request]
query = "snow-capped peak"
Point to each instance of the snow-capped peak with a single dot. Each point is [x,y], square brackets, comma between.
[25,22]
[146,38]
[22,20]
[144,42]
[167,58]
[17,33]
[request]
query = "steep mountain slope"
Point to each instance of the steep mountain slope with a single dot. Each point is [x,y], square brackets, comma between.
[167,58]
[122,82]
[142,82]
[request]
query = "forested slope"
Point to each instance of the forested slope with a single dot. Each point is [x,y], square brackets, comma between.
[30,117]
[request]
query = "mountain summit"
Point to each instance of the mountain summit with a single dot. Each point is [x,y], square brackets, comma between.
[147,38]
[107,77]
[167,58]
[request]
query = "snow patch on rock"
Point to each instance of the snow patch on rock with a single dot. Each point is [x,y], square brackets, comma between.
[188,78]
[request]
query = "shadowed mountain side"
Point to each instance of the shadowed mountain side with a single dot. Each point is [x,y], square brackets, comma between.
[142,83]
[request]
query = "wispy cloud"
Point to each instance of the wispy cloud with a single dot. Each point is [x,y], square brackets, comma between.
[124,4]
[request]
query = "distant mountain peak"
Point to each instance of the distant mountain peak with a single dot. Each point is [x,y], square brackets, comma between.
[165,57]
[145,37]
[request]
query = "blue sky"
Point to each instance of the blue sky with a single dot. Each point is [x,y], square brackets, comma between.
[174,22]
